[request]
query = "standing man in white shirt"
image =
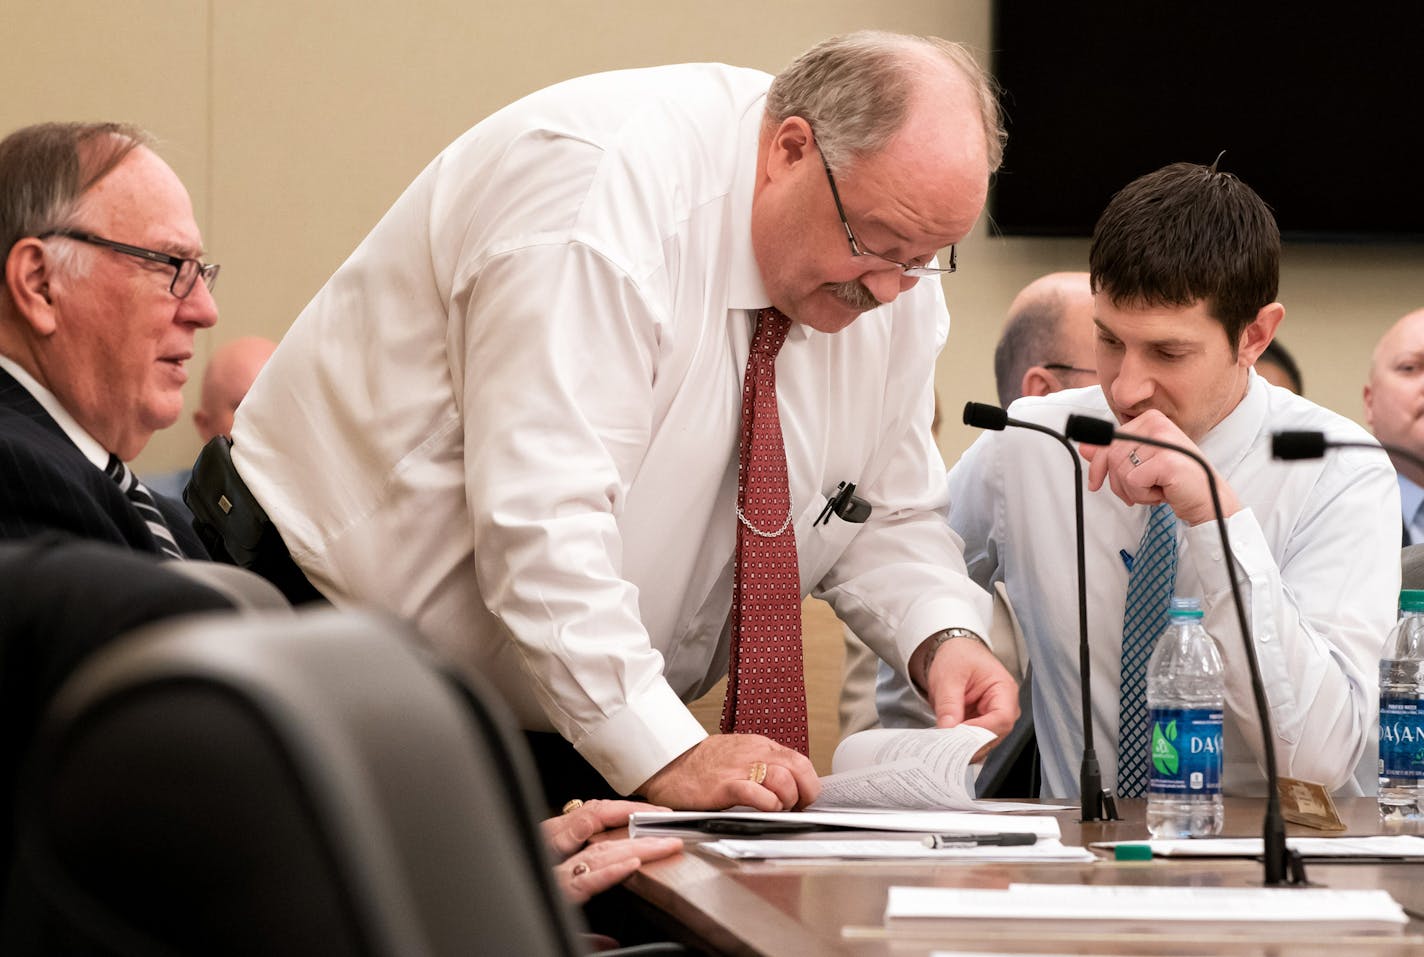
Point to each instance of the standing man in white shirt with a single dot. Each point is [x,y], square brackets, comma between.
[1394,411]
[1184,266]
[520,399]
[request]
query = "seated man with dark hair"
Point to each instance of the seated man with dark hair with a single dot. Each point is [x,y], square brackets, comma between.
[1184,266]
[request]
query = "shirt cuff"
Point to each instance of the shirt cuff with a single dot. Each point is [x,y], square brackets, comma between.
[641,739]
[929,617]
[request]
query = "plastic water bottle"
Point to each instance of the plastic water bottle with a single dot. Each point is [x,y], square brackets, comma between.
[1401,714]
[1185,691]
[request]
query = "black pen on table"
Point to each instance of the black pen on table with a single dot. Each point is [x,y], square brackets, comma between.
[941,842]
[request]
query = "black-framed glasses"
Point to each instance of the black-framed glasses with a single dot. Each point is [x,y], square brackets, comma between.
[1064,367]
[185,271]
[857,249]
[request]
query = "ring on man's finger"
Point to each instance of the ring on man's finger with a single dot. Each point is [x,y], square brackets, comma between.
[580,869]
[1132,457]
[572,805]
[758,772]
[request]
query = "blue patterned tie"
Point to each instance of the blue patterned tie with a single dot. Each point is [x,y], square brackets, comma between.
[142,499]
[1149,592]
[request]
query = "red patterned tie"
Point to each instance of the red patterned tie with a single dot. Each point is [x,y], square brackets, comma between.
[766,687]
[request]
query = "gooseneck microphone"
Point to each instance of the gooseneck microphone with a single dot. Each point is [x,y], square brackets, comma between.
[1282,865]
[1097,802]
[1313,445]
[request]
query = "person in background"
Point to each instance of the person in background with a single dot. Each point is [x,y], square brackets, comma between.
[579,403]
[1394,411]
[1185,265]
[1278,367]
[229,374]
[1047,341]
[105,288]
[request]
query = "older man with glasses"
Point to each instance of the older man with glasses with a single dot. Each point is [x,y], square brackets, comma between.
[105,288]
[607,392]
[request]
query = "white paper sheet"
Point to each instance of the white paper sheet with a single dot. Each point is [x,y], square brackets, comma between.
[1242,907]
[916,769]
[1047,849]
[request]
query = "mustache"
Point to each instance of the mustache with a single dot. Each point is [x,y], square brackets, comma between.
[854,294]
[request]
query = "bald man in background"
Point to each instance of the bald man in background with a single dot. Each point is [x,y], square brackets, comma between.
[1394,411]
[229,374]
[1047,342]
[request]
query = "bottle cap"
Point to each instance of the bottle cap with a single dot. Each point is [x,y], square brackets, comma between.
[1191,607]
[1411,600]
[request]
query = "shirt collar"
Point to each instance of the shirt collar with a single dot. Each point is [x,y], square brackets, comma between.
[1230,439]
[87,444]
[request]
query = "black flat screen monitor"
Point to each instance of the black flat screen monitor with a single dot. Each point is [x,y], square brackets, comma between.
[1320,108]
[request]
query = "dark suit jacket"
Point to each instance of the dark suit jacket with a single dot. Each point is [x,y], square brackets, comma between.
[46,484]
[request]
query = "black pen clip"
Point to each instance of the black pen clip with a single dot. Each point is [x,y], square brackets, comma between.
[846,505]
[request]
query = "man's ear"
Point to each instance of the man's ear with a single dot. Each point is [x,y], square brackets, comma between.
[1038,381]
[1369,408]
[1258,333]
[791,145]
[28,270]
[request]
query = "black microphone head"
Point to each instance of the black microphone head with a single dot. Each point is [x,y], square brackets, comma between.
[983,416]
[1298,445]
[1086,428]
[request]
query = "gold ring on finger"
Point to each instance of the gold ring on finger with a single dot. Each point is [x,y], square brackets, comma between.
[572,805]
[758,772]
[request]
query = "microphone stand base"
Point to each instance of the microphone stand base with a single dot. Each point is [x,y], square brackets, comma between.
[1292,870]
[1099,806]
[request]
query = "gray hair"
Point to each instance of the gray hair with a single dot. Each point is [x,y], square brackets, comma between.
[46,169]
[855,91]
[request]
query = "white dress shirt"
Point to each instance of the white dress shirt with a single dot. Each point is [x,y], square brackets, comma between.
[513,415]
[1317,549]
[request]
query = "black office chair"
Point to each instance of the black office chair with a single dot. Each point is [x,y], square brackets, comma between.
[298,785]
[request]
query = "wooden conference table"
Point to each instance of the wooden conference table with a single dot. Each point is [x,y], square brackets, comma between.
[778,910]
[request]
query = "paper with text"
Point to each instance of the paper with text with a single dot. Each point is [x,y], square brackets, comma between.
[910,769]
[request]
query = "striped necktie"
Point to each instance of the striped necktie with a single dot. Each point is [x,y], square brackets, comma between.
[766,684]
[1149,593]
[142,500]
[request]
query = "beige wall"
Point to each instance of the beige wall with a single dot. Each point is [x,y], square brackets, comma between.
[296,124]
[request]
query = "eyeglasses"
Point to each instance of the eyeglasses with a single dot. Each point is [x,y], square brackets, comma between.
[1064,367]
[856,249]
[185,271]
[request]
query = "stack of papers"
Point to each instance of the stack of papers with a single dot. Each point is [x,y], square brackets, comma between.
[1047,849]
[1137,909]
[719,824]
[921,769]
